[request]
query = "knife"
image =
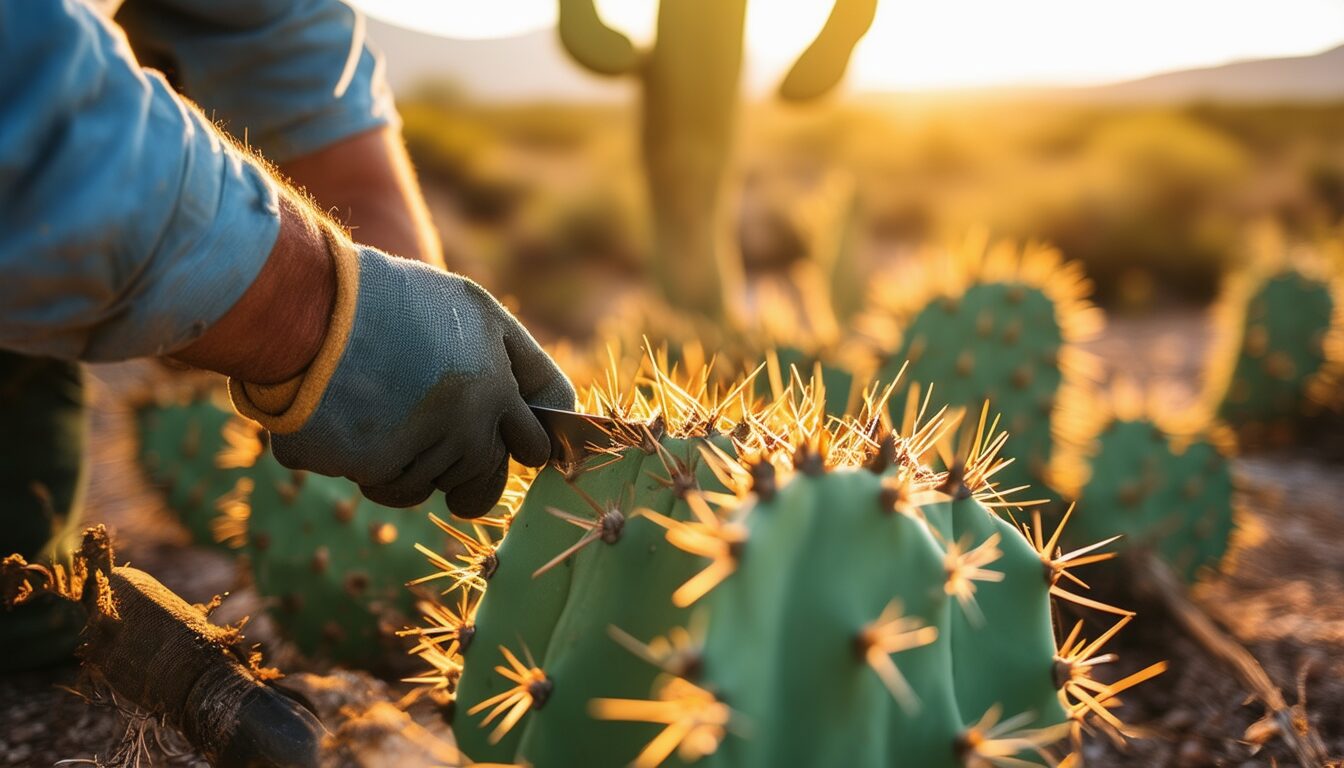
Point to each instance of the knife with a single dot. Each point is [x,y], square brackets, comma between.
[574,436]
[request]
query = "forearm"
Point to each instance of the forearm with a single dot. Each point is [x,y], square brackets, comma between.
[366,182]
[275,329]
[128,225]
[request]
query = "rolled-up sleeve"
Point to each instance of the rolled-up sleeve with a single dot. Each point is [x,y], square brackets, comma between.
[128,225]
[287,76]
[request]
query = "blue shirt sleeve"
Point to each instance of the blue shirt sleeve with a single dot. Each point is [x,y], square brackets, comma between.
[128,225]
[286,76]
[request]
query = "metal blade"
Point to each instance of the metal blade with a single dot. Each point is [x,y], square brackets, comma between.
[574,436]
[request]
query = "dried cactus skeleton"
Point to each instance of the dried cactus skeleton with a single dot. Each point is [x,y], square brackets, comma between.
[164,660]
[731,568]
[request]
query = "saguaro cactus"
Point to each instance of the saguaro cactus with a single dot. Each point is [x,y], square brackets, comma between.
[690,83]
[777,592]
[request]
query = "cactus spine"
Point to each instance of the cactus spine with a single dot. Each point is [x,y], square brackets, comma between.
[993,324]
[689,83]
[703,595]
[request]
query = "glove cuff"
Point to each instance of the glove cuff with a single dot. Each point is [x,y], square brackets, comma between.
[285,407]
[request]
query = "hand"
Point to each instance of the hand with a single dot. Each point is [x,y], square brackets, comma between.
[422,382]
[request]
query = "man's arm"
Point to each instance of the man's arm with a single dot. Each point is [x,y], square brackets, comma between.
[130,227]
[366,182]
[297,81]
[275,330]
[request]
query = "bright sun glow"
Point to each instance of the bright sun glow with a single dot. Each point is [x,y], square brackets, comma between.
[958,43]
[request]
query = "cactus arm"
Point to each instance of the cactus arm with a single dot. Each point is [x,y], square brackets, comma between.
[592,44]
[823,64]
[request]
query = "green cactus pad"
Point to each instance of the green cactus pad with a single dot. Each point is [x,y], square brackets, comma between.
[1282,355]
[1167,490]
[998,326]
[331,566]
[789,577]
[180,445]
[837,379]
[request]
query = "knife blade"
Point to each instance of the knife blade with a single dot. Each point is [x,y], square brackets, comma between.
[574,436]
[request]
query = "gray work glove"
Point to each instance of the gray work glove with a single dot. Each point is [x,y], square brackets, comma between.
[422,382]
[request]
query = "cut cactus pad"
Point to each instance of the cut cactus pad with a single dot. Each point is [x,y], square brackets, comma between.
[729,570]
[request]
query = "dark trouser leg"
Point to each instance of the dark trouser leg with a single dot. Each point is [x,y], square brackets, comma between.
[42,437]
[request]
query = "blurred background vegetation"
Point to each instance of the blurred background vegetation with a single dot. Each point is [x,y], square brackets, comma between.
[1155,201]
[538,169]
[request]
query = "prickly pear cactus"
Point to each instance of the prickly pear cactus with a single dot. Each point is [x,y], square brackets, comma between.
[1163,485]
[771,593]
[1282,354]
[990,323]
[331,566]
[185,450]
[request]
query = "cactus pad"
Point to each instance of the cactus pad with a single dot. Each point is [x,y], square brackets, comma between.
[727,573]
[997,324]
[1282,354]
[1163,485]
[185,450]
[331,565]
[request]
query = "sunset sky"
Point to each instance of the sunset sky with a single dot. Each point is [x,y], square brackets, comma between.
[958,43]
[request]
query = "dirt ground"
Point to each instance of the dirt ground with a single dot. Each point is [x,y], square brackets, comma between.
[1283,596]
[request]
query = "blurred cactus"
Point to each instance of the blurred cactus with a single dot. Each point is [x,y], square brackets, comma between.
[179,446]
[42,482]
[690,83]
[704,595]
[331,565]
[1161,481]
[995,324]
[1281,358]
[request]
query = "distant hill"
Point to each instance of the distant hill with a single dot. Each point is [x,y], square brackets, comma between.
[1319,77]
[530,67]
[533,67]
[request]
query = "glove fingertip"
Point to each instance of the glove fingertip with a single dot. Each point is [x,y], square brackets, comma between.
[523,436]
[479,495]
[396,496]
[559,393]
[533,455]
[464,509]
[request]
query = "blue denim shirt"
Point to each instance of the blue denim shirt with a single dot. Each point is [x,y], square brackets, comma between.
[128,223]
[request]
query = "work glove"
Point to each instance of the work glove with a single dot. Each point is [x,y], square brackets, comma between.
[423,381]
